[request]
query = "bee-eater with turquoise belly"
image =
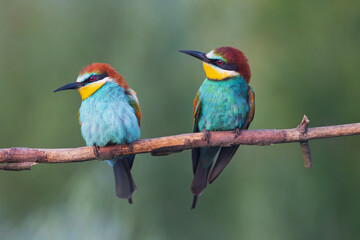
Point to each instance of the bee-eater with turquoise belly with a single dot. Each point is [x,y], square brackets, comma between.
[109,114]
[224,102]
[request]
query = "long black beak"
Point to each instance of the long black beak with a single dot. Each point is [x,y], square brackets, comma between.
[196,54]
[74,85]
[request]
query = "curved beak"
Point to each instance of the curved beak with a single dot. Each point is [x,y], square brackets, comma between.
[196,54]
[74,85]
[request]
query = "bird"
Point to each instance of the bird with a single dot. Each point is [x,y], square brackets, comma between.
[109,114]
[224,102]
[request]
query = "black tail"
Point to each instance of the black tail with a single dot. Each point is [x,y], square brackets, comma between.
[194,202]
[199,182]
[202,159]
[200,179]
[225,155]
[124,183]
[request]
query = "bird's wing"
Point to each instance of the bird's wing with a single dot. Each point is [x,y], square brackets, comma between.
[196,112]
[226,153]
[196,115]
[223,159]
[251,112]
[134,103]
[202,158]
[79,117]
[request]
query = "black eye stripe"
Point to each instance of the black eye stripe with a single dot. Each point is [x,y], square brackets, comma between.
[98,77]
[224,65]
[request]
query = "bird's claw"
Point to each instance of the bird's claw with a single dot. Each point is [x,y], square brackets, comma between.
[131,147]
[96,150]
[206,135]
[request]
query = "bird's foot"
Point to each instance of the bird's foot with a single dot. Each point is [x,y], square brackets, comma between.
[96,150]
[236,133]
[206,135]
[131,147]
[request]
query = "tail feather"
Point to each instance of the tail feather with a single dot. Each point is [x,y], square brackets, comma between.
[202,162]
[225,155]
[124,183]
[194,202]
[200,180]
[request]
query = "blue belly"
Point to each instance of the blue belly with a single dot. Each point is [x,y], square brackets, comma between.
[106,117]
[224,104]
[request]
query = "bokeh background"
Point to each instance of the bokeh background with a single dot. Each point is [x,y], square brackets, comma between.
[304,57]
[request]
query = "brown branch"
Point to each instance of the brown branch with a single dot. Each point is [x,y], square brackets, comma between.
[177,143]
[17,166]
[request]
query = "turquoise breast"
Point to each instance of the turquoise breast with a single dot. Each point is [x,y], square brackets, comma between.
[224,104]
[106,117]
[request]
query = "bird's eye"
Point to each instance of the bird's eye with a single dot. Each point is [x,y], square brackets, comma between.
[92,78]
[219,62]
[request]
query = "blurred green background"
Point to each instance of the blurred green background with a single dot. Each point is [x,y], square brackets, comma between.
[304,57]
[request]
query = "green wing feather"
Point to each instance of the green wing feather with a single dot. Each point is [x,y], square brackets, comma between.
[196,112]
[134,103]
[251,113]
[202,158]
[196,115]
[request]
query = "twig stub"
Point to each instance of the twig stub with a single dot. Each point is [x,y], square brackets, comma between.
[304,145]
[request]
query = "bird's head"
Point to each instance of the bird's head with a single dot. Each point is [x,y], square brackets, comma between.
[223,63]
[92,77]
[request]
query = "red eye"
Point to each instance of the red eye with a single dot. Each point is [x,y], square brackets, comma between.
[92,78]
[219,62]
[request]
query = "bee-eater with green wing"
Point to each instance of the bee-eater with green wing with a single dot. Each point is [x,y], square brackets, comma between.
[224,102]
[109,114]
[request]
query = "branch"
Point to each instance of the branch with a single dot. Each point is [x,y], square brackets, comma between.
[23,158]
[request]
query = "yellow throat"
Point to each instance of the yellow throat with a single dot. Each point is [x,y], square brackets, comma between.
[214,73]
[88,90]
